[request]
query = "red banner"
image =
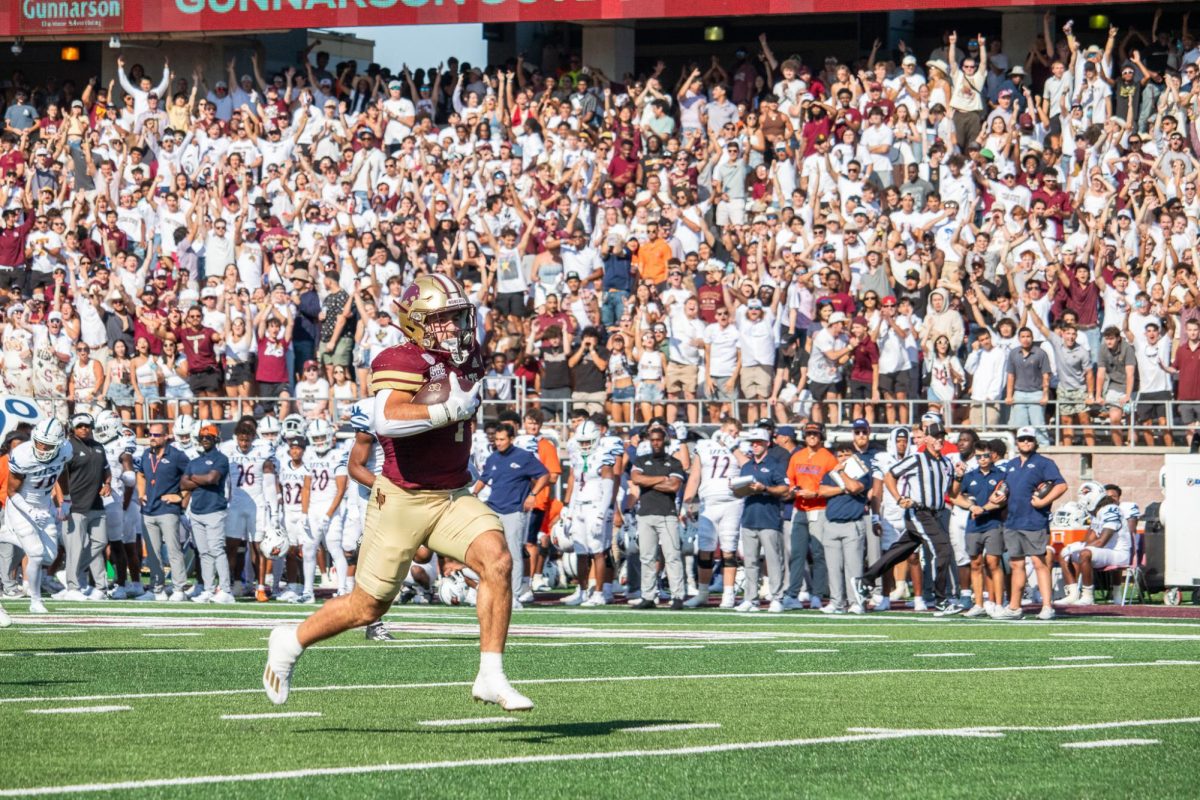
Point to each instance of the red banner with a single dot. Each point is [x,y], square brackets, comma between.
[68,17]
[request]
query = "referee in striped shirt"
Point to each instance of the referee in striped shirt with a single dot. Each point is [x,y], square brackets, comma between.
[930,476]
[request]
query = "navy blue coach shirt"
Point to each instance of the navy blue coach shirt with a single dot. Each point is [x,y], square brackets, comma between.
[510,474]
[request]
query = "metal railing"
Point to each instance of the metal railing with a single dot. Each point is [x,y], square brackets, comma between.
[705,414]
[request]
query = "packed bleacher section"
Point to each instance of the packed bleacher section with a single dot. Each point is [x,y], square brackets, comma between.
[1006,237]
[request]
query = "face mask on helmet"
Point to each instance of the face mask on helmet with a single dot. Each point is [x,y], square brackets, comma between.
[451,331]
[48,437]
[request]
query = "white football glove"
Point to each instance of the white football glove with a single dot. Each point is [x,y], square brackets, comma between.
[323,527]
[460,405]
[64,511]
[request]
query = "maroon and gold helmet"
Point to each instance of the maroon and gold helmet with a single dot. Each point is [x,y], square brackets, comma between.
[430,302]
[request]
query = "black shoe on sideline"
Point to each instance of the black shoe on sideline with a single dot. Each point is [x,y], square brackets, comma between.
[645,604]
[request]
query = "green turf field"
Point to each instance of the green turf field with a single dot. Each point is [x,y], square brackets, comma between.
[763,706]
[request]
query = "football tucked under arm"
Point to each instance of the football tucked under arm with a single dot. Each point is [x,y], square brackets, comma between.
[445,402]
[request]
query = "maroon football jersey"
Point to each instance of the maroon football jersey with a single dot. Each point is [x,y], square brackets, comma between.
[436,459]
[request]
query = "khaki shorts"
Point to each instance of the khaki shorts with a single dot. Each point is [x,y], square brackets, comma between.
[398,521]
[682,378]
[756,382]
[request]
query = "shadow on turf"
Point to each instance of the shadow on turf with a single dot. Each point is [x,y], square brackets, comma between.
[32,683]
[532,734]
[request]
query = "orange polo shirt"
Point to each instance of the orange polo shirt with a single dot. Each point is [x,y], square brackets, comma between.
[548,455]
[651,260]
[805,470]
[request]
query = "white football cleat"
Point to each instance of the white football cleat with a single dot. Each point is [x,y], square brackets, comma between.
[5,619]
[204,597]
[919,604]
[884,604]
[277,675]
[223,597]
[526,595]
[496,689]
[728,599]
[700,599]
[178,596]
[575,599]
[596,599]
[36,606]
[747,607]
[776,607]
[856,608]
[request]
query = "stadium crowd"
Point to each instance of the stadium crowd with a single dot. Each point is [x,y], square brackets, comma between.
[1003,240]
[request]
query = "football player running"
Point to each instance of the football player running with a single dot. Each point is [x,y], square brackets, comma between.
[587,514]
[30,520]
[421,496]
[253,498]
[718,460]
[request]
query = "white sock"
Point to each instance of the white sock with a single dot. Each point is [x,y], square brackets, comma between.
[310,567]
[490,664]
[290,643]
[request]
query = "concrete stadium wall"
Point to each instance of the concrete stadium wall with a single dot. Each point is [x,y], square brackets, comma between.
[1134,470]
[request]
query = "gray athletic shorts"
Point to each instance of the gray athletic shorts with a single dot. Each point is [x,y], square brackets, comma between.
[1021,544]
[989,542]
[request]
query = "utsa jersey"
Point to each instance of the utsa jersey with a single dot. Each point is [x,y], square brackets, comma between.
[39,477]
[717,467]
[325,469]
[434,459]
[246,470]
[291,486]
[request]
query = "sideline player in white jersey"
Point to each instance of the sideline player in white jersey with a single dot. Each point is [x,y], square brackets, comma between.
[293,425]
[253,498]
[326,512]
[1108,544]
[718,461]
[294,488]
[121,510]
[30,519]
[588,506]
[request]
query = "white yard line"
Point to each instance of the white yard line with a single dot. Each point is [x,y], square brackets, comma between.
[274,715]
[1147,636]
[548,758]
[943,655]
[1080,658]
[1108,743]
[807,650]
[52,631]
[169,635]
[679,726]
[454,723]
[613,679]
[674,647]
[79,710]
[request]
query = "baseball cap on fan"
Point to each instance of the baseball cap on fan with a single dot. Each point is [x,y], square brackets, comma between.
[1026,432]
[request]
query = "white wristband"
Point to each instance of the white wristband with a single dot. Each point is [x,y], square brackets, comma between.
[439,415]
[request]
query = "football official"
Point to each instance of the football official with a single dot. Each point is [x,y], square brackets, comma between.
[515,476]
[929,477]
[1027,526]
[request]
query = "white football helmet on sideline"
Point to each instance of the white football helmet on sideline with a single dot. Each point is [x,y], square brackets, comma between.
[269,428]
[108,426]
[320,436]
[184,430]
[274,542]
[1090,495]
[586,436]
[48,437]
[452,590]
[293,425]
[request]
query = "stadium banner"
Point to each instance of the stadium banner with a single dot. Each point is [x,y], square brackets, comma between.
[81,17]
